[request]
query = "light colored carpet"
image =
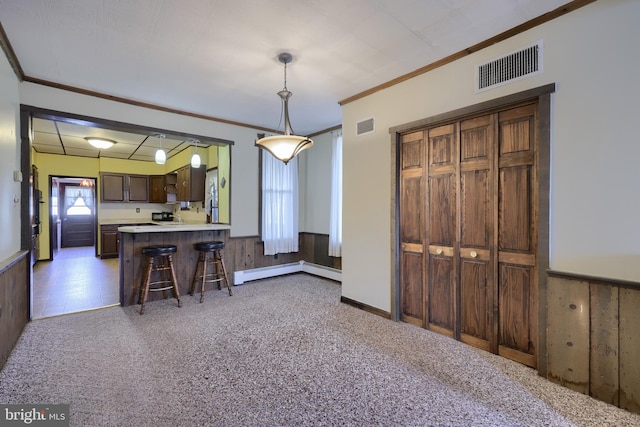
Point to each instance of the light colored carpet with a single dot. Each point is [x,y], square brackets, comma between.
[279,352]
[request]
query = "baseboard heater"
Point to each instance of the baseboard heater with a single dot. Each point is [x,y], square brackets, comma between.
[240,277]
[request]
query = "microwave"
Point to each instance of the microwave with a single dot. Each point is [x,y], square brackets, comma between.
[161,216]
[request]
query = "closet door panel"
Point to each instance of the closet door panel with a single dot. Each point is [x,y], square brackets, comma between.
[412,300]
[516,339]
[442,155]
[517,235]
[515,210]
[475,273]
[476,223]
[411,234]
[474,303]
[476,231]
[412,228]
[441,293]
[442,212]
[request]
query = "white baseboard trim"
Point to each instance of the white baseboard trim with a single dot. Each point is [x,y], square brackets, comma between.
[240,277]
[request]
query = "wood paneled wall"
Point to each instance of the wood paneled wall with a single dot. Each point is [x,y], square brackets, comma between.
[593,337]
[14,302]
[245,253]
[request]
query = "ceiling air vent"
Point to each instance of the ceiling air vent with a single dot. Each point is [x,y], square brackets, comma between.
[365,126]
[518,65]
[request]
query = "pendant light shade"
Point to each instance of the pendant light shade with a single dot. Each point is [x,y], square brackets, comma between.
[195,159]
[161,156]
[285,147]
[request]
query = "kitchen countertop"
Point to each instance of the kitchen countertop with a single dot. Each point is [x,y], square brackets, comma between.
[166,227]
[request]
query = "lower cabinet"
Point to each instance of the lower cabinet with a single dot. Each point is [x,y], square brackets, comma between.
[109,241]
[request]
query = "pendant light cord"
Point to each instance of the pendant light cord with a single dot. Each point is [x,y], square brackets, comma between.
[285,76]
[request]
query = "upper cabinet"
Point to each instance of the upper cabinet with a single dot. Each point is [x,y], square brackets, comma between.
[163,188]
[190,183]
[157,189]
[122,188]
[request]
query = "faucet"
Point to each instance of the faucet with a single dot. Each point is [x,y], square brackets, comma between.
[179,218]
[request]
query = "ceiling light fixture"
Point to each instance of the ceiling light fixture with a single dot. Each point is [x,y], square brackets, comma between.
[195,159]
[161,156]
[101,143]
[285,147]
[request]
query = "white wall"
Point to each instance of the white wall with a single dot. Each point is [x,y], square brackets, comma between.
[244,155]
[315,185]
[9,160]
[592,56]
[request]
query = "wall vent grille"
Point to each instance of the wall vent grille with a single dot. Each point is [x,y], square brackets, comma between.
[515,66]
[365,126]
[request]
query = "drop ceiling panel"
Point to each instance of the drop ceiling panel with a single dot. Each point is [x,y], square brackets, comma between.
[45,126]
[50,139]
[49,149]
[82,152]
[80,131]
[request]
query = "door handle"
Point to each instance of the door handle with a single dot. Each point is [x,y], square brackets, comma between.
[439,251]
[473,254]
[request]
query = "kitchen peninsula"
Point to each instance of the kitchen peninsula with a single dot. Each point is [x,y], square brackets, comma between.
[182,235]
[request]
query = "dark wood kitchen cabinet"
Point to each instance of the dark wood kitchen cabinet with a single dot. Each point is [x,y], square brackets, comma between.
[109,241]
[163,188]
[191,183]
[157,189]
[122,188]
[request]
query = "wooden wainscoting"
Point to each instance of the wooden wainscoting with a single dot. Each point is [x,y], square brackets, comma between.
[14,301]
[593,337]
[246,253]
[315,249]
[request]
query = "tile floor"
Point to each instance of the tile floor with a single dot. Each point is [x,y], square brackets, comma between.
[76,280]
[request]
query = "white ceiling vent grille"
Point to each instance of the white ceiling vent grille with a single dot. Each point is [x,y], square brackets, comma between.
[515,66]
[365,126]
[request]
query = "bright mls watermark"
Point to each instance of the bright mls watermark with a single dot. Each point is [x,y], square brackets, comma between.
[34,415]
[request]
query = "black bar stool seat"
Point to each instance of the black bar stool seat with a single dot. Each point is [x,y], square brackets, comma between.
[209,253]
[160,261]
[209,246]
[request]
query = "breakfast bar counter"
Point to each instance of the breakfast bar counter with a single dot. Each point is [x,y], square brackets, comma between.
[182,235]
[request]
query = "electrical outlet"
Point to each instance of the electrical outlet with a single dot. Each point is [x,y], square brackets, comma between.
[137,210]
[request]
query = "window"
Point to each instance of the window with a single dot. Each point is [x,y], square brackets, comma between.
[279,205]
[335,215]
[78,200]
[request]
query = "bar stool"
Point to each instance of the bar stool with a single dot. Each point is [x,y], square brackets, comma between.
[159,260]
[209,252]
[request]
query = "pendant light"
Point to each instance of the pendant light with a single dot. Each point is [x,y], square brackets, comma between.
[161,156]
[195,159]
[284,147]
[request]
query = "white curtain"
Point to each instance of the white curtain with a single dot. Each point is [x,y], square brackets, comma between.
[279,205]
[335,216]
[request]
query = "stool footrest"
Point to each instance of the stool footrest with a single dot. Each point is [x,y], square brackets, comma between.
[210,255]
[159,260]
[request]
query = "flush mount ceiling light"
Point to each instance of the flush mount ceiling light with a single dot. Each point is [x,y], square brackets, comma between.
[285,147]
[195,159]
[101,143]
[161,156]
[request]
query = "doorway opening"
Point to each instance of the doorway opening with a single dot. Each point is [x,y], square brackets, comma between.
[73,213]
[75,279]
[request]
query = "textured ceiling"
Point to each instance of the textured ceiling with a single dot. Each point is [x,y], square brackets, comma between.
[218,58]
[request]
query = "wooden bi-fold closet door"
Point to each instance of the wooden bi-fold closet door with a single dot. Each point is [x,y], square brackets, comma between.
[468,227]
